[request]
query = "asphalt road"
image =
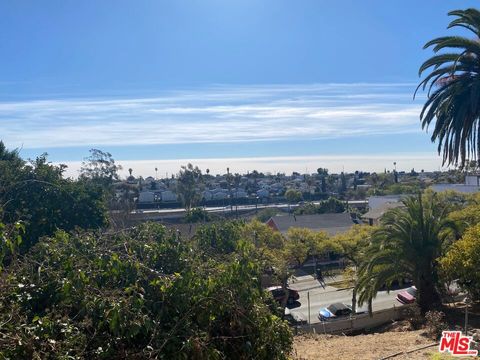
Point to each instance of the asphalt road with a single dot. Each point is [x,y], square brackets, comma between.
[320,298]
[216,209]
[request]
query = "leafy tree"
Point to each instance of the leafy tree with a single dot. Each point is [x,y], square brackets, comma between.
[263,235]
[453,90]
[462,262]
[322,171]
[197,215]
[100,167]
[220,238]
[406,246]
[270,251]
[188,181]
[37,195]
[302,243]
[293,196]
[332,205]
[468,215]
[352,244]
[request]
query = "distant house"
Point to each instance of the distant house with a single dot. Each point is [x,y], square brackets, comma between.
[146,197]
[219,194]
[330,223]
[472,185]
[168,196]
[373,215]
[379,205]
[472,180]
[375,202]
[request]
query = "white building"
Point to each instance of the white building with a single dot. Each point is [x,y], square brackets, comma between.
[376,202]
[472,185]
[472,180]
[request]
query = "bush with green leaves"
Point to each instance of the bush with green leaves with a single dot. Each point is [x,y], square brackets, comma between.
[197,215]
[37,194]
[332,205]
[10,242]
[141,293]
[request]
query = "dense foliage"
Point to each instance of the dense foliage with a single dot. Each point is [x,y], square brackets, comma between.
[353,244]
[197,215]
[37,194]
[188,181]
[332,205]
[462,262]
[137,294]
[293,195]
[100,167]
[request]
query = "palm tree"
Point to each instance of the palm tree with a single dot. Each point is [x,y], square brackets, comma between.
[454,90]
[406,246]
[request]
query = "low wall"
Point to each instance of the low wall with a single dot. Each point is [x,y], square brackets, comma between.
[359,322]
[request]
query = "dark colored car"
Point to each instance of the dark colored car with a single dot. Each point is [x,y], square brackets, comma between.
[334,311]
[279,294]
[407,296]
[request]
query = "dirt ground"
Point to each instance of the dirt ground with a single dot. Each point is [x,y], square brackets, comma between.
[389,340]
[369,346]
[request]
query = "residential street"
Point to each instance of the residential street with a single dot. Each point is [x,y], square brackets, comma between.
[322,297]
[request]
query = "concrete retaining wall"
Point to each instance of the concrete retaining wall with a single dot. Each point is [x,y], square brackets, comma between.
[359,322]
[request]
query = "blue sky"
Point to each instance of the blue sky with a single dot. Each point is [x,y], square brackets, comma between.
[161,81]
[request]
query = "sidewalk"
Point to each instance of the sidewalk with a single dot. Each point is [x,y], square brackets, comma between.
[308,282]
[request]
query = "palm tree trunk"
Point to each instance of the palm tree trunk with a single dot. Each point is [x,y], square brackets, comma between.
[428,297]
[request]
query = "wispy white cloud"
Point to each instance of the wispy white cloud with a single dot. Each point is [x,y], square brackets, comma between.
[216,114]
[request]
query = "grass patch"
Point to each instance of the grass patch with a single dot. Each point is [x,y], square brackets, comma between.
[340,284]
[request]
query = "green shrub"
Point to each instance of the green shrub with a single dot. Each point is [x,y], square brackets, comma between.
[197,215]
[136,294]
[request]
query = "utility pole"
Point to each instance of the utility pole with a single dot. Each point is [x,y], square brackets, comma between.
[467,302]
[308,298]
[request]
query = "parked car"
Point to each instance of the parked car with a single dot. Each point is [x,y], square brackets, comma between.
[279,294]
[334,311]
[407,296]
